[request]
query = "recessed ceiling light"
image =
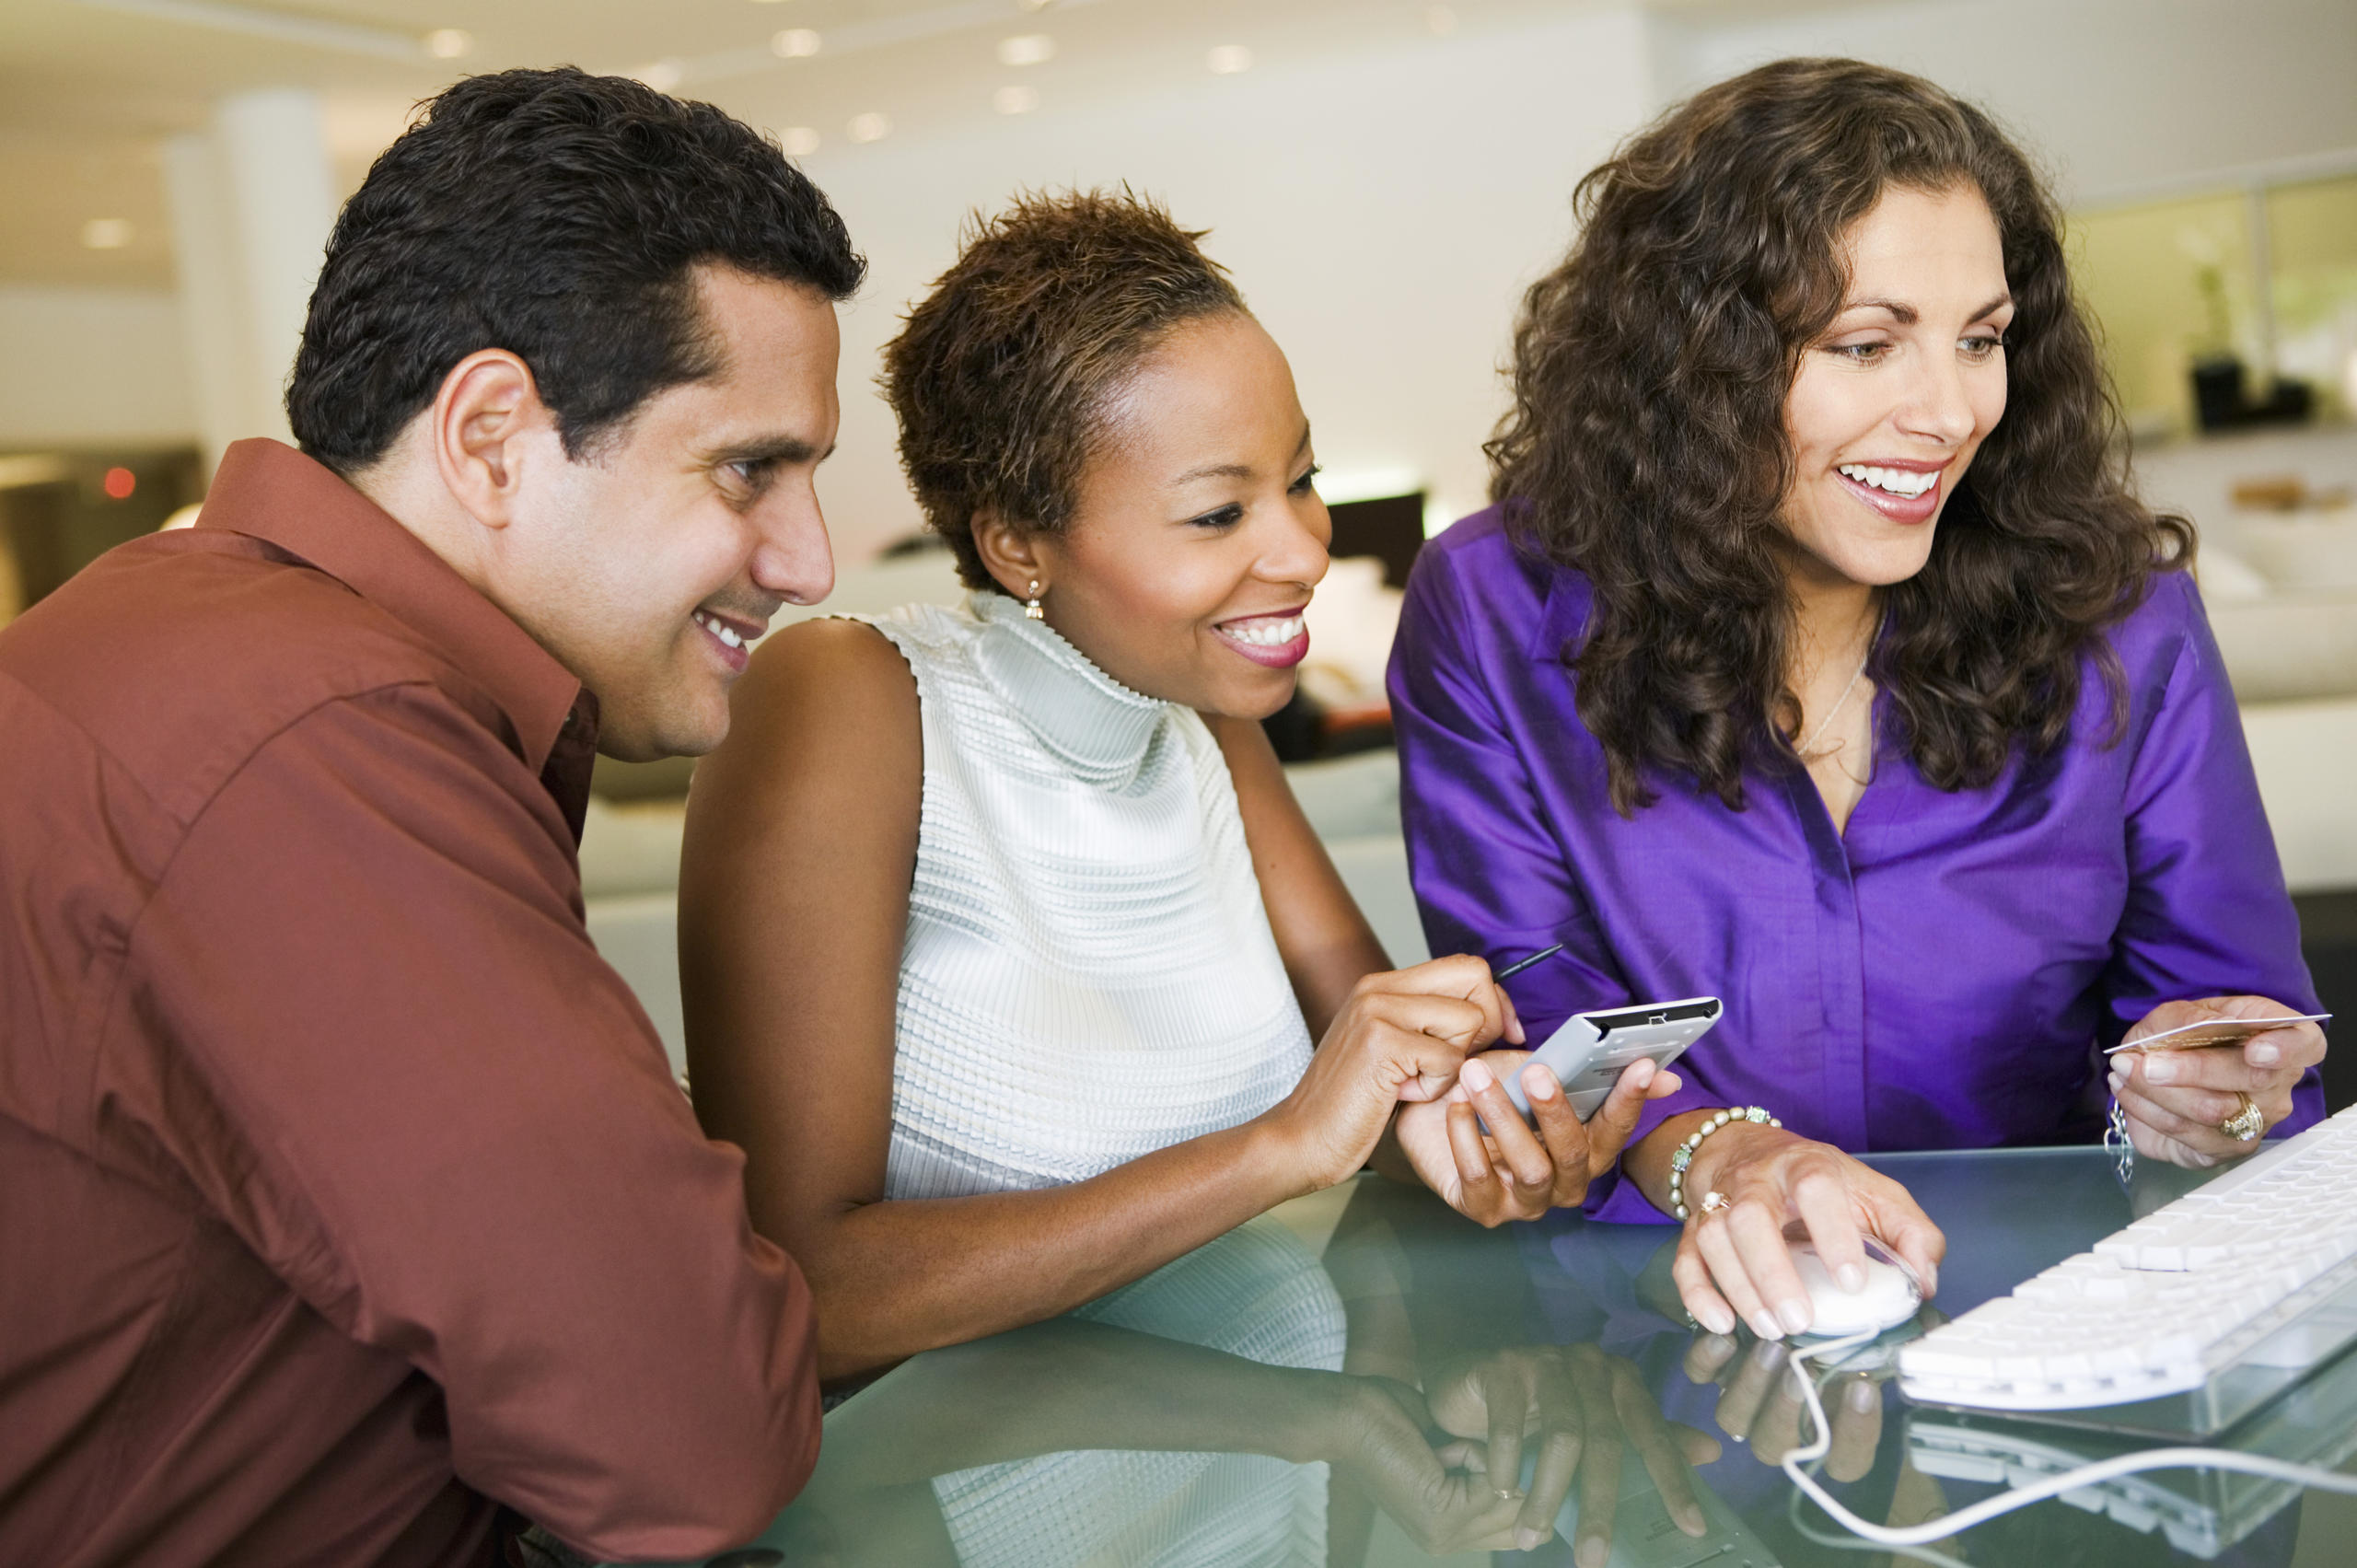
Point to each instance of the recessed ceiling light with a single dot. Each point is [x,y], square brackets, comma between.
[799,140]
[662,74]
[795,44]
[449,43]
[107,234]
[1016,100]
[1441,19]
[870,127]
[1228,59]
[1027,49]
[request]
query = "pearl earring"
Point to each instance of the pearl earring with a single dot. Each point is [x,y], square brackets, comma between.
[1031,606]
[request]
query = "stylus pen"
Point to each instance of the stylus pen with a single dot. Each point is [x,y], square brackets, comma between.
[1521,964]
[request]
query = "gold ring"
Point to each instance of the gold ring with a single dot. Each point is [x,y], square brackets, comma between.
[1715,1201]
[2246,1124]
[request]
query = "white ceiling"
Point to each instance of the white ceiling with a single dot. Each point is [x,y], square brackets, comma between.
[89,89]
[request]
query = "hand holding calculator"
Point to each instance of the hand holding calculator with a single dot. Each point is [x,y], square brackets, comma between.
[1592,1049]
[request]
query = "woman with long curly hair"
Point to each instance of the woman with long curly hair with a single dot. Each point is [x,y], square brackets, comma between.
[1816,655]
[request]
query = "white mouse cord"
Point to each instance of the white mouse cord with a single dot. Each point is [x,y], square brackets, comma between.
[1851,1543]
[2006,1502]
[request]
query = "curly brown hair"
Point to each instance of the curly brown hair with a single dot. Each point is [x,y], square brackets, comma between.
[1002,377]
[1646,446]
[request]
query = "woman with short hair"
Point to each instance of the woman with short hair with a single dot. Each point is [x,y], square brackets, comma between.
[1004,943]
[1819,657]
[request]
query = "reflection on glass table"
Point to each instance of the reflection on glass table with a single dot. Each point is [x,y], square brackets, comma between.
[1354,1389]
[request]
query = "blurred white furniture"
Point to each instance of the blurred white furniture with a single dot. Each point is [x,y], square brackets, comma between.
[2283,599]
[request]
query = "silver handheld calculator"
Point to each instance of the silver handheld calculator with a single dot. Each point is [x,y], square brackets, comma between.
[1592,1049]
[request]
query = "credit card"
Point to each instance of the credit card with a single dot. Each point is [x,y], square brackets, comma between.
[2215,1031]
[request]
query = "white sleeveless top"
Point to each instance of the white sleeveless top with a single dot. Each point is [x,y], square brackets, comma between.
[1089,974]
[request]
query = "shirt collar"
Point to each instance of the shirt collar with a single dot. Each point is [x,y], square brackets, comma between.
[267,491]
[1096,726]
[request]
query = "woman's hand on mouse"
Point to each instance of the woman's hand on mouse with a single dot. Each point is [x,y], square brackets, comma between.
[1403,1035]
[1735,1262]
[2175,1100]
[1512,1172]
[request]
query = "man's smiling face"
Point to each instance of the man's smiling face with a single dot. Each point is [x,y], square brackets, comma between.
[661,552]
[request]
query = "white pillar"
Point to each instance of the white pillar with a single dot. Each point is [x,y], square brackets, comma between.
[252,199]
[213,308]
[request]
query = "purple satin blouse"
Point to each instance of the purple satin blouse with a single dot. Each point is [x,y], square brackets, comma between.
[1939,976]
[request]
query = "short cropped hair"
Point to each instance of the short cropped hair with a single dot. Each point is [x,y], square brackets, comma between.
[1002,377]
[558,215]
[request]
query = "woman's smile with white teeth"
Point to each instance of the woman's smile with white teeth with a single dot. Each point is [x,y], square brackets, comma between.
[727,634]
[1898,482]
[1270,631]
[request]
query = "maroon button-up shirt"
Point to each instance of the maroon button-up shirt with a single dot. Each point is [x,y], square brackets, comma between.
[345,1195]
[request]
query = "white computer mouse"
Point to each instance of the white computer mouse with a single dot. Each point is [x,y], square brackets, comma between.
[1888,1298]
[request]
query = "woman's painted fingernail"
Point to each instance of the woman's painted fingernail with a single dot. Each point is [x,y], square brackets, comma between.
[1643,1072]
[2263,1054]
[1861,1396]
[1795,1316]
[1766,1326]
[1476,1074]
[1717,1318]
[1852,1278]
[2160,1070]
[1540,1084]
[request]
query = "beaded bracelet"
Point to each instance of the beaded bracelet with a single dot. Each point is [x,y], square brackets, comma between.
[1684,1156]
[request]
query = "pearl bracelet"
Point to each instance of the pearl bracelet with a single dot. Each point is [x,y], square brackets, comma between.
[1684,1156]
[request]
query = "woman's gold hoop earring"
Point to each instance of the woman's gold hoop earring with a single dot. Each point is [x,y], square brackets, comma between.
[1031,606]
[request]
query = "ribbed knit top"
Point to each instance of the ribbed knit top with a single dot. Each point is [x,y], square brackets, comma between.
[1089,974]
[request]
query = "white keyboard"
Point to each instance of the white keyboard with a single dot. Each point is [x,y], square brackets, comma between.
[2252,1270]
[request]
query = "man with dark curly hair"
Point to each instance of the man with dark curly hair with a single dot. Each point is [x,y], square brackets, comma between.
[351,1210]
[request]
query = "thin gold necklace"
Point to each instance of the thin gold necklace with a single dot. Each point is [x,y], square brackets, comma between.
[1833,713]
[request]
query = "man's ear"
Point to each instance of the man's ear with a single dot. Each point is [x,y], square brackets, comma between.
[1012,555]
[482,427]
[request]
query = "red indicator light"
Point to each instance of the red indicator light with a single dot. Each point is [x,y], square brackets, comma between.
[121,483]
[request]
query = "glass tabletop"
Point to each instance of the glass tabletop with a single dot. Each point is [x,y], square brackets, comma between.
[1314,1388]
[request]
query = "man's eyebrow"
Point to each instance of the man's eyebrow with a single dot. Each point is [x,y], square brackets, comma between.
[767,449]
[1234,470]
